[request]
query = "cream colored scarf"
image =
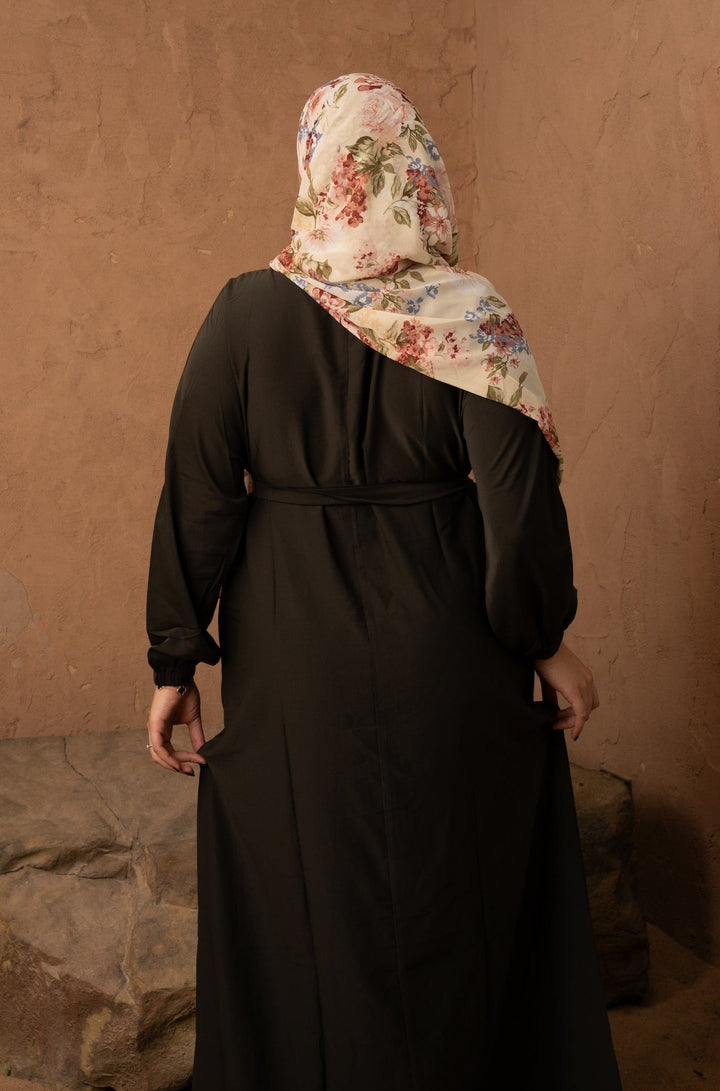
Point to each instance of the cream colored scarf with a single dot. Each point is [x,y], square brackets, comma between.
[374,240]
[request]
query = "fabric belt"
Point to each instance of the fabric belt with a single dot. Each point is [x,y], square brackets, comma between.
[390,492]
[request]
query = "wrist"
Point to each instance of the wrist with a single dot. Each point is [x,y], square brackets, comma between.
[182,689]
[182,675]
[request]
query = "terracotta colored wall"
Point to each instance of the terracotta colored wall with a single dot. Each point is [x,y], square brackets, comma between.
[149,155]
[597,205]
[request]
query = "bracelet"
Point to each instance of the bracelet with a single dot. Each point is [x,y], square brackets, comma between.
[182,688]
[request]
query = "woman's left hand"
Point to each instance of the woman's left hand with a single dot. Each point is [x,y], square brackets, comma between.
[168,709]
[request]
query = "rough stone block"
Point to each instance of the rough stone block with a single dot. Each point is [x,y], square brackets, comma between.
[606,822]
[98,909]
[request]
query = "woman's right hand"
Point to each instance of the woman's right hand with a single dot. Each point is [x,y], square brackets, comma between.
[564,673]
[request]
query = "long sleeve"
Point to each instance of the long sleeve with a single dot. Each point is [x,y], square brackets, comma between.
[201,512]
[530,597]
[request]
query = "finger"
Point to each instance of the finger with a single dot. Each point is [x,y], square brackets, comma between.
[197,738]
[573,718]
[189,756]
[582,711]
[161,755]
[571,724]
[566,720]
[163,752]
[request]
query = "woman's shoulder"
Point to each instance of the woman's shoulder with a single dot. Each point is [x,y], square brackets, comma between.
[256,281]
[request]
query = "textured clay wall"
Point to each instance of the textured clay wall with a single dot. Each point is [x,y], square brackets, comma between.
[597,210]
[149,155]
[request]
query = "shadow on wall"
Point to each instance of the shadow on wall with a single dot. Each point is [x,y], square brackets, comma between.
[673,874]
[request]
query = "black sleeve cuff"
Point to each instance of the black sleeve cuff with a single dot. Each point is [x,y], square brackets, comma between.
[174,676]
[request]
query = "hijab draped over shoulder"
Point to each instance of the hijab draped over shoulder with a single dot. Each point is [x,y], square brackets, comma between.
[374,240]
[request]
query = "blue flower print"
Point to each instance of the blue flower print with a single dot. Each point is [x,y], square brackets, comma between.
[416,166]
[414,305]
[431,290]
[309,139]
[483,306]
[432,148]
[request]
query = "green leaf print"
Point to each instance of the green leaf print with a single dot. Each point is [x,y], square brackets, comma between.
[304,207]
[360,146]
[494,394]
[370,334]
[378,183]
[402,216]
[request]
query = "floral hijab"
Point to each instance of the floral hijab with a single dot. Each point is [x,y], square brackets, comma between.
[374,240]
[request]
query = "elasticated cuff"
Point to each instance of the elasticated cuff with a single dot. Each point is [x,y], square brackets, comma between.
[174,676]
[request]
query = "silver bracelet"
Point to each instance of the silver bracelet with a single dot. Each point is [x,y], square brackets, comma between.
[182,688]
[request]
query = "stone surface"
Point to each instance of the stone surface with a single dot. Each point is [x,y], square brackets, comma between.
[667,1043]
[98,909]
[605,814]
[97,914]
[671,1041]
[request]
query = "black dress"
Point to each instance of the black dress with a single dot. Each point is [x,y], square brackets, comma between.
[391,894]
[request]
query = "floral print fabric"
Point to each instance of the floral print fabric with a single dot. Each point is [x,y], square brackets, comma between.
[374,240]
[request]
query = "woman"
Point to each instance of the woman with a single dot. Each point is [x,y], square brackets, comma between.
[391,893]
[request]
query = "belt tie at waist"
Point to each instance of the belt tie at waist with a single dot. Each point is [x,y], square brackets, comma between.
[386,492]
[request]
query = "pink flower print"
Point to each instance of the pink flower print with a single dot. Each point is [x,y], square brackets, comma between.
[286,256]
[505,334]
[546,420]
[369,83]
[335,306]
[369,264]
[451,343]
[349,189]
[547,427]
[388,112]
[424,192]
[313,105]
[323,231]
[436,221]
[416,343]
[365,259]
[388,266]
[311,142]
